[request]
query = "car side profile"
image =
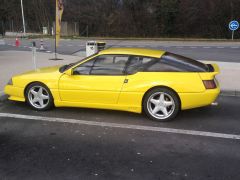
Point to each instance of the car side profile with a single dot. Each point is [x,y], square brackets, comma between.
[155,82]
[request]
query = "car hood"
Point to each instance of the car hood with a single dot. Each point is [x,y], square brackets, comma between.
[48,76]
[44,70]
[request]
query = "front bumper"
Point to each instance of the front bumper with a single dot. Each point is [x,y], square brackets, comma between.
[15,93]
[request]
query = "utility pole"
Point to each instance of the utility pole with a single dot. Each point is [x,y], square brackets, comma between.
[24,28]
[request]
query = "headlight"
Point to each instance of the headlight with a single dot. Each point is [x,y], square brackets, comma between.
[10,82]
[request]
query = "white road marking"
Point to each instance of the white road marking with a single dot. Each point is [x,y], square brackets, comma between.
[123,126]
[234,47]
[48,51]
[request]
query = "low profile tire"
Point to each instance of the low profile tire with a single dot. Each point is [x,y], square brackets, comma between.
[161,104]
[39,97]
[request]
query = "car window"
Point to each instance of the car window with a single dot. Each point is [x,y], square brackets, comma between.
[163,67]
[167,63]
[183,63]
[109,65]
[138,63]
[84,68]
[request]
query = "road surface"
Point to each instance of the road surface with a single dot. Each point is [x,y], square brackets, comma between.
[75,143]
[216,51]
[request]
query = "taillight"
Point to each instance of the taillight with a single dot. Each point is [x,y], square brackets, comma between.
[209,84]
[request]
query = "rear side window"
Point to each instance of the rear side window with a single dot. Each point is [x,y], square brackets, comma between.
[183,63]
[167,63]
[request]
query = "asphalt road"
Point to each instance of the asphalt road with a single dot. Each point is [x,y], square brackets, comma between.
[89,145]
[216,51]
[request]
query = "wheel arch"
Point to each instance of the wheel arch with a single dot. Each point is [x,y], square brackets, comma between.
[161,86]
[26,87]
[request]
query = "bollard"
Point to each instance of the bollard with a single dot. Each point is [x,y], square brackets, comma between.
[17,42]
[41,45]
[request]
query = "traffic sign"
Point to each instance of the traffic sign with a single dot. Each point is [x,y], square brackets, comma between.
[233,25]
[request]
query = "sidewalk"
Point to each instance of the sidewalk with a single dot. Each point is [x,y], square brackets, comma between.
[228,77]
[15,62]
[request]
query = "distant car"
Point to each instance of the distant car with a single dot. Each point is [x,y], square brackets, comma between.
[155,82]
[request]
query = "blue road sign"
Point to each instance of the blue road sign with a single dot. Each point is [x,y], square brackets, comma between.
[233,25]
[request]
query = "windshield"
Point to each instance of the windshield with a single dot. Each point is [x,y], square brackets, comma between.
[68,66]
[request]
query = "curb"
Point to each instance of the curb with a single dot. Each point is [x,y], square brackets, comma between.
[230,93]
[3,97]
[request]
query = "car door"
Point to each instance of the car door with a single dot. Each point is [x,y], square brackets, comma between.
[98,80]
[135,79]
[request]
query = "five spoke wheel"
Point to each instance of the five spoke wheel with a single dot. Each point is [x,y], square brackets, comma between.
[161,104]
[39,97]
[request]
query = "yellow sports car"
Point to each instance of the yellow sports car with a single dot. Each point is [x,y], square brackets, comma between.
[155,82]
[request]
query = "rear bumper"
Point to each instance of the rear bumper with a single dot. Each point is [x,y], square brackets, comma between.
[194,100]
[15,93]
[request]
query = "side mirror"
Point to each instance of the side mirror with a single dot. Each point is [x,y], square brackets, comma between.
[68,72]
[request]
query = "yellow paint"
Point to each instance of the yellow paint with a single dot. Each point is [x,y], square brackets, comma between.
[110,92]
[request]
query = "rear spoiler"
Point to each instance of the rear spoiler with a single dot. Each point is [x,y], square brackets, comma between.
[216,68]
[213,71]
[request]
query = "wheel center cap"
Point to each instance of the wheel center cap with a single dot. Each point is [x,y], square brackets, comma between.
[161,104]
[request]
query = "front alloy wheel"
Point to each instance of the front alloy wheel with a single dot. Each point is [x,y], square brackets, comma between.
[39,97]
[161,104]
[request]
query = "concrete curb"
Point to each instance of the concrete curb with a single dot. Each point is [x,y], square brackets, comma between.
[230,93]
[4,97]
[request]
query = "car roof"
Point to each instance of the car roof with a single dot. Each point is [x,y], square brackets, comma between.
[133,51]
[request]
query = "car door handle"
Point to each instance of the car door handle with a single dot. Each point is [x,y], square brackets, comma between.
[125,80]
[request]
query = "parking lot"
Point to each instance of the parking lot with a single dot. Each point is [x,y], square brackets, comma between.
[75,143]
[120,90]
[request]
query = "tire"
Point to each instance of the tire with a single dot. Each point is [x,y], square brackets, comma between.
[39,97]
[161,104]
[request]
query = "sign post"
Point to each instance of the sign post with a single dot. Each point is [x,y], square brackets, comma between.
[58,19]
[34,55]
[233,26]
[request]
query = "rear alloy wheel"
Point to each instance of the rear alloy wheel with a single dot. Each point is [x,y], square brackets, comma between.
[39,97]
[161,104]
